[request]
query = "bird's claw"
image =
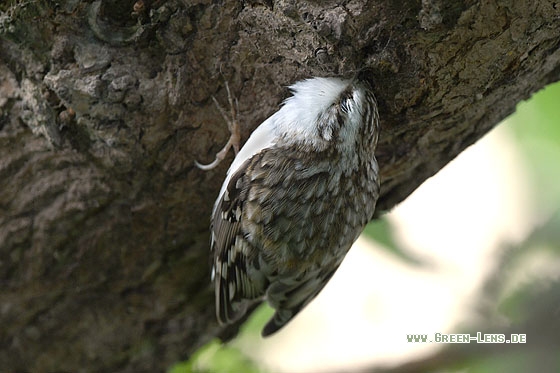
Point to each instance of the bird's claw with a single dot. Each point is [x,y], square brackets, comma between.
[233,126]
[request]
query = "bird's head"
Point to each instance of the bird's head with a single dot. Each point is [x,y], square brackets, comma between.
[329,112]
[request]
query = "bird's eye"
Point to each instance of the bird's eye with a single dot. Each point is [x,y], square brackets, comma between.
[345,105]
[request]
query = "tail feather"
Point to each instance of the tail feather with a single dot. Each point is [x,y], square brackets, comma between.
[279,319]
[288,299]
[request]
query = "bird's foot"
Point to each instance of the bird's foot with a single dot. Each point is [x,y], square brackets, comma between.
[234,129]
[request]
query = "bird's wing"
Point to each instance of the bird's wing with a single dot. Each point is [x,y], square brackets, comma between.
[231,250]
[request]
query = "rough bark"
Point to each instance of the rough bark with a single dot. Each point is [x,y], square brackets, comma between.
[104,106]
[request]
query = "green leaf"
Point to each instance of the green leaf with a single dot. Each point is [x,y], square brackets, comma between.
[215,357]
[381,231]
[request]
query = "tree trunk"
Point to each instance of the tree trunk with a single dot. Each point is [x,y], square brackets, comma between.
[105,105]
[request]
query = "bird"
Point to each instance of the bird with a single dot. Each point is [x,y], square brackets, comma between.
[295,198]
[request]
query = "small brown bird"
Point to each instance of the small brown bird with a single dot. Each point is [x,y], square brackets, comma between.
[296,197]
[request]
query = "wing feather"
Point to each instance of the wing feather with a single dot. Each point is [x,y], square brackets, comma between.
[233,287]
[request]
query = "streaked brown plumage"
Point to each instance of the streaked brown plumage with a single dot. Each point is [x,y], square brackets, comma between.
[296,199]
